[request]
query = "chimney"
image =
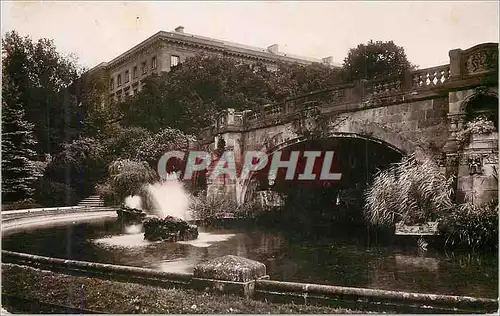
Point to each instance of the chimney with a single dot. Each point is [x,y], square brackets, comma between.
[179,29]
[273,49]
[327,60]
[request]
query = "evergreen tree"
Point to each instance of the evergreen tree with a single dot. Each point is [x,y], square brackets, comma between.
[18,153]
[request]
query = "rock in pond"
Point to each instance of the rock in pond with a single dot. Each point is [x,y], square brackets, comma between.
[131,215]
[170,229]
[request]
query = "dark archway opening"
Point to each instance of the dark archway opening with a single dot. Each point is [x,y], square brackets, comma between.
[483,105]
[318,208]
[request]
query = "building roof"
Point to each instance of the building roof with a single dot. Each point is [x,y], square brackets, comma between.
[231,47]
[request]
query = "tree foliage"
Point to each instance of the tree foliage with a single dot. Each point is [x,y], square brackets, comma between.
[80,165]
[293,79]
[165,140]
[188,97]
[123,141]
[375,60]
[18,147]
[42,77]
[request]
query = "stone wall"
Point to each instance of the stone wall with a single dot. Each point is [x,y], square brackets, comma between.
[416,124]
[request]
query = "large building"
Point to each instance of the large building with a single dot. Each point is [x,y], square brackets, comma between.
[159,53]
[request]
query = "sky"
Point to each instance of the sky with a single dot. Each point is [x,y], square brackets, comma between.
[99,31]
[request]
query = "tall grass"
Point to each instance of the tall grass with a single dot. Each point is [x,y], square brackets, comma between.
[471,226]
[416,192]
[411,191]
[219,206]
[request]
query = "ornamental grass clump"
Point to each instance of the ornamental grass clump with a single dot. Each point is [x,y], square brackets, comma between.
[410,191]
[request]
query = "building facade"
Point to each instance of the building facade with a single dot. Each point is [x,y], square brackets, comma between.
[125,74]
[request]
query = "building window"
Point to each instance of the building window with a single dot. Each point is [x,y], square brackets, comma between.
[111,84]
[144,68]
[134,72]
[119,80]
[153,62]
[174,60]
[127,76]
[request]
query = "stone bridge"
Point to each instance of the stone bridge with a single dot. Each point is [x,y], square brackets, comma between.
[423,111]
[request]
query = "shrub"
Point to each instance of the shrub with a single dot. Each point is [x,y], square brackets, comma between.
[203,207]
[220,206]
[106,192]
[410,191]
[50,193]
[471,226]
[21,205]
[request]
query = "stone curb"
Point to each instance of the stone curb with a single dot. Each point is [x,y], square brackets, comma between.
[37,210]
[299,293]
[305,293]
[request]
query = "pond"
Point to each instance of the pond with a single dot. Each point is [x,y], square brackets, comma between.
[332,261]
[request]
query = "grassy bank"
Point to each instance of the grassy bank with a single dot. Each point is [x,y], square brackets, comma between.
[118,297]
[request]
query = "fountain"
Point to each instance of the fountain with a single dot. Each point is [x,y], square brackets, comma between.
[167,214]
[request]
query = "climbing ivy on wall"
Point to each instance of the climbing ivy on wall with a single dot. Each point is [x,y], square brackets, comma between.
[479,126]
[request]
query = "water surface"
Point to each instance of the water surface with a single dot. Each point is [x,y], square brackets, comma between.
[329,261]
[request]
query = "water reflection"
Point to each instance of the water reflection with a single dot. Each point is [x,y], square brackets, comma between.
[335,262]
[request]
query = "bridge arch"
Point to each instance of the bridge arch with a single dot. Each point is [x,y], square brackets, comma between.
[353,130]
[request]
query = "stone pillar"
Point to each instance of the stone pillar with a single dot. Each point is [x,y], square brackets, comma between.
[229,274]
[477,168]
[229,124]
[455,64]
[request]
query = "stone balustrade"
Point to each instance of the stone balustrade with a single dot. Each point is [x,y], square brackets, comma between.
[430,77]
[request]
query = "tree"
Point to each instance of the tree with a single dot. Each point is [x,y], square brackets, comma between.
[18,143]
[375,60]
[295,79]
[79,165]
[188,97]
[123,142]
[42,77]
[166,140]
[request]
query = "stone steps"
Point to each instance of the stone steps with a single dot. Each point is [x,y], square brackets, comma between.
[92,201]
